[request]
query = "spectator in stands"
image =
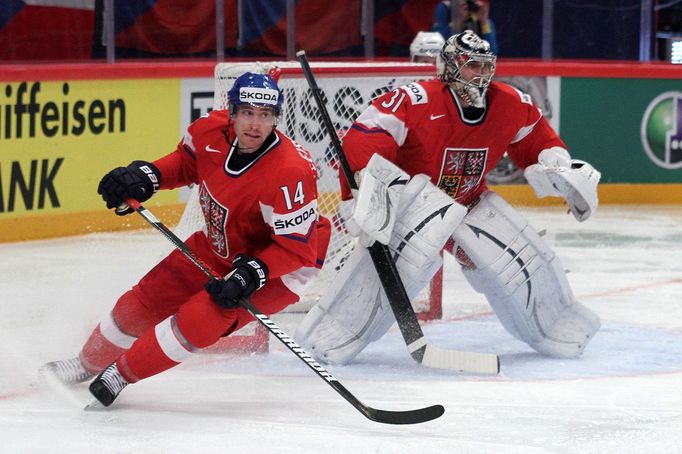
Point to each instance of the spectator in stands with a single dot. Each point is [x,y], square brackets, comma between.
[472,15]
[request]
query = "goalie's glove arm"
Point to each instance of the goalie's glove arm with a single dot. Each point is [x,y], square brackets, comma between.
[531,140]
[557,175]
[139,181]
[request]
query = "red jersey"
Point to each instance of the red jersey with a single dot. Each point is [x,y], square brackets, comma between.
[267,209]
[421,128]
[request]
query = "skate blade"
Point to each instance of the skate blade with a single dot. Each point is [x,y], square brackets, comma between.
[95,405]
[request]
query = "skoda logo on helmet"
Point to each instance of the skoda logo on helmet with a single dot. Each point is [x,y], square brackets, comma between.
[255,89]
[661,130]
[256,95]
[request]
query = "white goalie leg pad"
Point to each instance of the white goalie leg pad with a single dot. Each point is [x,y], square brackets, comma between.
[523,280]
[426,221]
[338,327]
[355,310]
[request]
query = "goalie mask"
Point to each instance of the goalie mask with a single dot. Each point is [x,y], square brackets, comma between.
[467,64]
[259,90]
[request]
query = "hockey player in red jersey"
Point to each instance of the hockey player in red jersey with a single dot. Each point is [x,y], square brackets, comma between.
[447,134]
[258,195]
[453,132]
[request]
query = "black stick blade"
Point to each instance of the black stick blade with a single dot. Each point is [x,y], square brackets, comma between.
[404,417]
[416,416]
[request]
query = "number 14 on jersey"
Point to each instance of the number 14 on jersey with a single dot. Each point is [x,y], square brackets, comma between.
[299,196]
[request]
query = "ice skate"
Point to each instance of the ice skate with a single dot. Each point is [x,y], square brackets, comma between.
[66,371]
[108,385]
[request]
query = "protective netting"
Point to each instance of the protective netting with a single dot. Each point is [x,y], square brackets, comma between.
[347,90]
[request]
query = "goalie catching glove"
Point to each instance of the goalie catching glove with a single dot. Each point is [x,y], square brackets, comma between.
[557,175]
[248,275]
[139,181]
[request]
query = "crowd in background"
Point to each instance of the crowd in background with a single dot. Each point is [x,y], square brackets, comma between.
[68,30]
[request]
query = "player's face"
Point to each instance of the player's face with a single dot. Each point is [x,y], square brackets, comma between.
[253,125]
[474,70]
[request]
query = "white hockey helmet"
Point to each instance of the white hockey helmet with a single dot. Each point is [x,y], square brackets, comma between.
[427,45]
[467,50]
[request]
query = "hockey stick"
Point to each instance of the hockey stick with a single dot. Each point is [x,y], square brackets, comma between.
[420,350]
[383,416]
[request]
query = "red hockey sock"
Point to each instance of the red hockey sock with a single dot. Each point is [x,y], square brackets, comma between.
[98,352]
[198,324]
[116,332]
[147,357]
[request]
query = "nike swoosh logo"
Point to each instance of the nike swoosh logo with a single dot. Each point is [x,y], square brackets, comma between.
[436,117]
[212,150]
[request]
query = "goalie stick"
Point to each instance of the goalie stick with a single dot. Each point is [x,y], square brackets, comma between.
[383,416]
[418,347]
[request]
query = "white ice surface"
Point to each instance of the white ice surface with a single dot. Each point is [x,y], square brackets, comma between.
[623,396]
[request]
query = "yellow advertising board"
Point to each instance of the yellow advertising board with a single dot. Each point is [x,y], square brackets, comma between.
[57,139]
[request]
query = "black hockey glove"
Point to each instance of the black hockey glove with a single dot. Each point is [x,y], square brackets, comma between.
[138,181]
[248,275]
